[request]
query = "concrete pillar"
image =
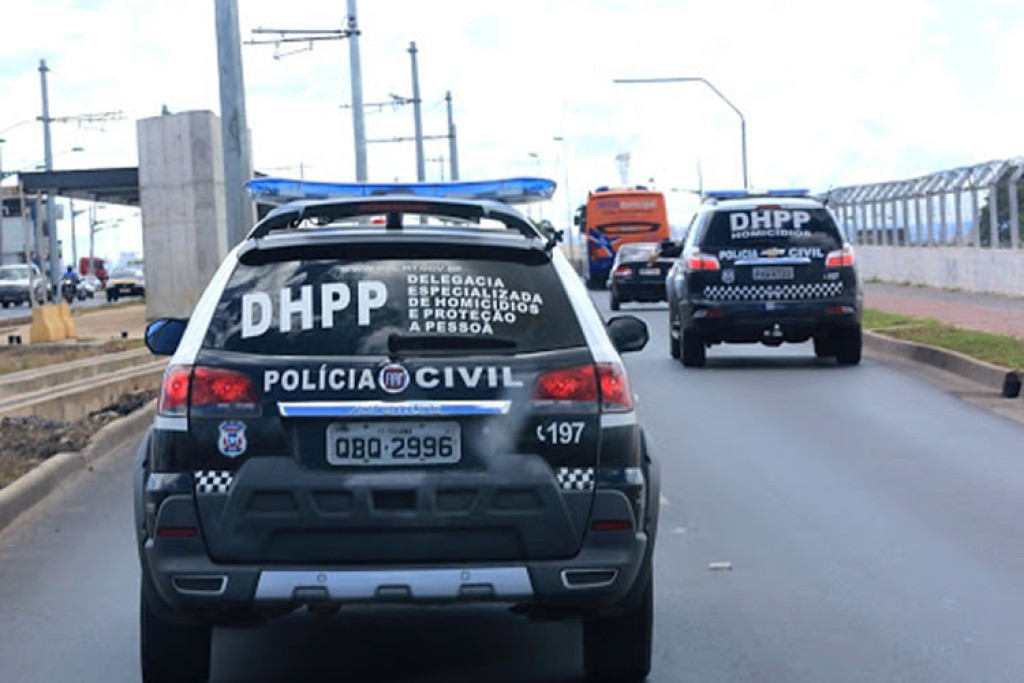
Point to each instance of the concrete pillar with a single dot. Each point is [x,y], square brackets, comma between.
[184,223]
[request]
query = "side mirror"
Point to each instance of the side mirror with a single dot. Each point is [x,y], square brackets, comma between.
[164,334]
[628,333]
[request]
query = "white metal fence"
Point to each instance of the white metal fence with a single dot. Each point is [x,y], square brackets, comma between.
[976,206]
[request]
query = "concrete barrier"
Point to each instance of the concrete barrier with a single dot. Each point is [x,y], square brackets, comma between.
[57,374]
[970,269]
[47,324]
[72,401]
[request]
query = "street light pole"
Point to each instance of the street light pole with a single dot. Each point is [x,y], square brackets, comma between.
[698,79]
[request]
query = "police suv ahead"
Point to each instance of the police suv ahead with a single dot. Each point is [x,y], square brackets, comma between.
[768,268]
[411,412]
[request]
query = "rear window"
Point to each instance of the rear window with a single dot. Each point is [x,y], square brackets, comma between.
[332,307]
[637,251]
[770,226]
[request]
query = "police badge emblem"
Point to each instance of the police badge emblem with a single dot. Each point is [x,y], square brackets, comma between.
[232,441]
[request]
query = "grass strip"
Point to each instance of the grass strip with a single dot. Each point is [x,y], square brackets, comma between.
[997,349]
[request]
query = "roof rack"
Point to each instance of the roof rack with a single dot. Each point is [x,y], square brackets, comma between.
[324,212]
[719,195]
[524,190]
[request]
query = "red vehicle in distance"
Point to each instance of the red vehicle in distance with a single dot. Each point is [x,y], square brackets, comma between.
[99,268]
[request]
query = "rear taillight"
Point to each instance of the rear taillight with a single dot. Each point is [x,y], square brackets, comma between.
[623,270]
[174,393]
[567,384]
[840,258]
[217,387]
[615,394]
[702,262]
[204,387]
[604,385]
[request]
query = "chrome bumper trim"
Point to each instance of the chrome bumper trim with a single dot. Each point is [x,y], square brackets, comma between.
[494,583]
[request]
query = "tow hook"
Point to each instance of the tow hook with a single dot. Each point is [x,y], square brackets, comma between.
[775,331]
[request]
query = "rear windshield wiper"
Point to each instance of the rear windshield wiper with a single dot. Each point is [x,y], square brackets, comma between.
[444,344]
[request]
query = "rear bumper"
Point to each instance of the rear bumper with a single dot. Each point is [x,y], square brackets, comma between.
[769,321]
[639,290]
[189,582]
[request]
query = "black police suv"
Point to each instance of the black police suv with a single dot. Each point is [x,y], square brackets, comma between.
[395,400]
[769,268]
[637,274]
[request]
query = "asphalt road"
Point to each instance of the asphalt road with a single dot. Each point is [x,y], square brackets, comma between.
[26,311]
[871,523]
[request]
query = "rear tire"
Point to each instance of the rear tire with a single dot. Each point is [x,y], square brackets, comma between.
[615,303]
[673,346]
[824,347]
[171,652]
[617,647]
[692,349]
[848,346]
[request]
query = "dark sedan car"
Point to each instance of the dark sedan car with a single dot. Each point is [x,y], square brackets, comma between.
[638,274]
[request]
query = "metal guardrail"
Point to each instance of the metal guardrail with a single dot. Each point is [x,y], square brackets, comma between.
[975,206]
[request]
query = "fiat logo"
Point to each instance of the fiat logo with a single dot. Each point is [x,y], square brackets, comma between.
[393,378]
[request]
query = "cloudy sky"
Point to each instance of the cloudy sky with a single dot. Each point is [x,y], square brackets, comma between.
[871,91]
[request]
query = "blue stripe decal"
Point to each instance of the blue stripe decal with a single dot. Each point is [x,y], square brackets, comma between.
[387,409]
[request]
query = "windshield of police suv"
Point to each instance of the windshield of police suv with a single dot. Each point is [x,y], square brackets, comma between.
[352,307]
[765,226]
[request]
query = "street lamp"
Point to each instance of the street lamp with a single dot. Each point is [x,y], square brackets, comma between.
[698,79]
[568,200]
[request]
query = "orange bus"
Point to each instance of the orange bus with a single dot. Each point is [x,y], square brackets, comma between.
[616,216]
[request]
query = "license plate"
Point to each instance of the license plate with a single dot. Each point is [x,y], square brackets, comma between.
[650,271]
[394,443]
[773,273]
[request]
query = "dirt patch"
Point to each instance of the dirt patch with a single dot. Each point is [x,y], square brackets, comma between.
[28,441]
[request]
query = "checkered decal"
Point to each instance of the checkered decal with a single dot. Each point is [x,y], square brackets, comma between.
[813,290]
[575,478]
[213,481]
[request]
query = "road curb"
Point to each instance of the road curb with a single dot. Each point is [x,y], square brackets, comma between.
[35,485]
[951,361]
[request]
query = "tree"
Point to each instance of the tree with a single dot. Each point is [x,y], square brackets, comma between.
[1002,212]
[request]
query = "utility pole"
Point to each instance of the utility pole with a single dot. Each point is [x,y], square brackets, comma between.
[316,35]
[421,171]
[355,65]
[453,150]
[233,126]
[51,210]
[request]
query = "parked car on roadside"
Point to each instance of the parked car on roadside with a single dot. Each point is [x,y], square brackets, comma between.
[19,281]
[126,282]
[421,410]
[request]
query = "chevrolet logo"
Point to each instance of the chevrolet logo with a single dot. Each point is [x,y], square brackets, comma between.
[774,252]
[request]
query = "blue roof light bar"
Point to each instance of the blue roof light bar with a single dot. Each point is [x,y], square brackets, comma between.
[507,190]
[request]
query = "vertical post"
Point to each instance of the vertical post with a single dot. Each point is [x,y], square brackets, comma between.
[355,66]
[74,240]
[233,125]
[51,208]
[417,115]
[743,145]
[1011,190]
[92,239]
[38,239]
[26,240]
[993,216]
[453,148]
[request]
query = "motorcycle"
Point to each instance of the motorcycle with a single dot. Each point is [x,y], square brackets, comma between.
[68,289]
